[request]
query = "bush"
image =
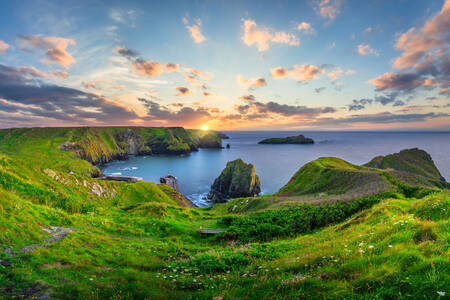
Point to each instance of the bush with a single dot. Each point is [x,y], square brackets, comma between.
[269,224]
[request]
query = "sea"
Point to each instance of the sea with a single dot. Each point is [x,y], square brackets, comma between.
[276,164]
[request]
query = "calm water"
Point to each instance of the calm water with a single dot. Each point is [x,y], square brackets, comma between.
[275,164]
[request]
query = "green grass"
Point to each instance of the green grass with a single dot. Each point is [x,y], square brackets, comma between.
[141,240]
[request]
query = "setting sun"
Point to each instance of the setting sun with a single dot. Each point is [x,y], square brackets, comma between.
[204,127]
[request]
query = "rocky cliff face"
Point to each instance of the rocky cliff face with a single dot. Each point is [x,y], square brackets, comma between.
[99,145]
[238,179]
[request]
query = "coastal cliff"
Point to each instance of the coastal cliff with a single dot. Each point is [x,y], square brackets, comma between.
[99,145]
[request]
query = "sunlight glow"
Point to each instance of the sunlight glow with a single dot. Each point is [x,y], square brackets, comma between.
[205,127]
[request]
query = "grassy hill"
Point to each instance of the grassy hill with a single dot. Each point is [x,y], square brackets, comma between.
[67,235]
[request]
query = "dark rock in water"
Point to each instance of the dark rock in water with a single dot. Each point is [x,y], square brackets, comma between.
[228,146]
[299,139]
[238,179]
[170,180]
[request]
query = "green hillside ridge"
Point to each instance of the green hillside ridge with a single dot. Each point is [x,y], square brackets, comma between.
[66,235]
[334,176]
[414,161]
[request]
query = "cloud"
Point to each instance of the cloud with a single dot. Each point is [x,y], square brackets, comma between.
[124,16]
[247,98]
[183,91]
[35,99]
[196,78]
[144,67]
[366,50]
[319,90]
[279,72]
[304,72]
[264,36]
[424,61]
[359,104]
[387,99]
[55,47]
[327,9]
[195,30]
[333,75]
[251,84]
[90,85]
[265,109]
[397,81]
[186,116]
[3,47]
[36,73]
[380,118]
[305,28]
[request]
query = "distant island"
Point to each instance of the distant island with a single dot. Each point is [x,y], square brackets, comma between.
[299,139]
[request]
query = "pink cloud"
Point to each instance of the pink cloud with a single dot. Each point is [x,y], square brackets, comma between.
[195,30]
[36,73]
[414,43]
[55,47]
[264,36]
[279,72]
[3,47]
[251,83]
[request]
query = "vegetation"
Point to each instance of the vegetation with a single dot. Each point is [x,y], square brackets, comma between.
[65,235]
[299,139]
[238,179]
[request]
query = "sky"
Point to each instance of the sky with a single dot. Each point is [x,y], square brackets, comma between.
[227,65]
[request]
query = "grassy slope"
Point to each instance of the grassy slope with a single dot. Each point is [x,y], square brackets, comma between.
[135,241]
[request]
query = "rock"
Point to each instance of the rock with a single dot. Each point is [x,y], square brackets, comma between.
[238,179]
[170,180]
[210,140]
[299,139]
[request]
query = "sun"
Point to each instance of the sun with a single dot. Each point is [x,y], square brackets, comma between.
[205,127]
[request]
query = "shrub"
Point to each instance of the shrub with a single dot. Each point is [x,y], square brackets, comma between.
[266,225]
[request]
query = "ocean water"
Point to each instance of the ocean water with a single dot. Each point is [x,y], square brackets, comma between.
[275,164]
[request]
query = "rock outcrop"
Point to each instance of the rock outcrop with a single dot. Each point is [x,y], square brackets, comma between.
[415,161]
[299,139]
[99,145]
[170,180]
[238,179]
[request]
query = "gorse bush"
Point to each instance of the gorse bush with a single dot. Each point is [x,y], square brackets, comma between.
[266,225]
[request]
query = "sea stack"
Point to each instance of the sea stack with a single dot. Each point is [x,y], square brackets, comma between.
[238,179]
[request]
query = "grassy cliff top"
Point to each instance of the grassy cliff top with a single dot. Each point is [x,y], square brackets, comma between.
[66,235]
[415,161]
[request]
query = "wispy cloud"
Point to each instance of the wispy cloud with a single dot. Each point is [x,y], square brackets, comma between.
[195,30]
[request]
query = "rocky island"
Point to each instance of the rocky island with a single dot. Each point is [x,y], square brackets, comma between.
[238,179]
[299,139]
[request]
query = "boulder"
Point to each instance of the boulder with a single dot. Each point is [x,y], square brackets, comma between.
[170,180]
[238,179]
